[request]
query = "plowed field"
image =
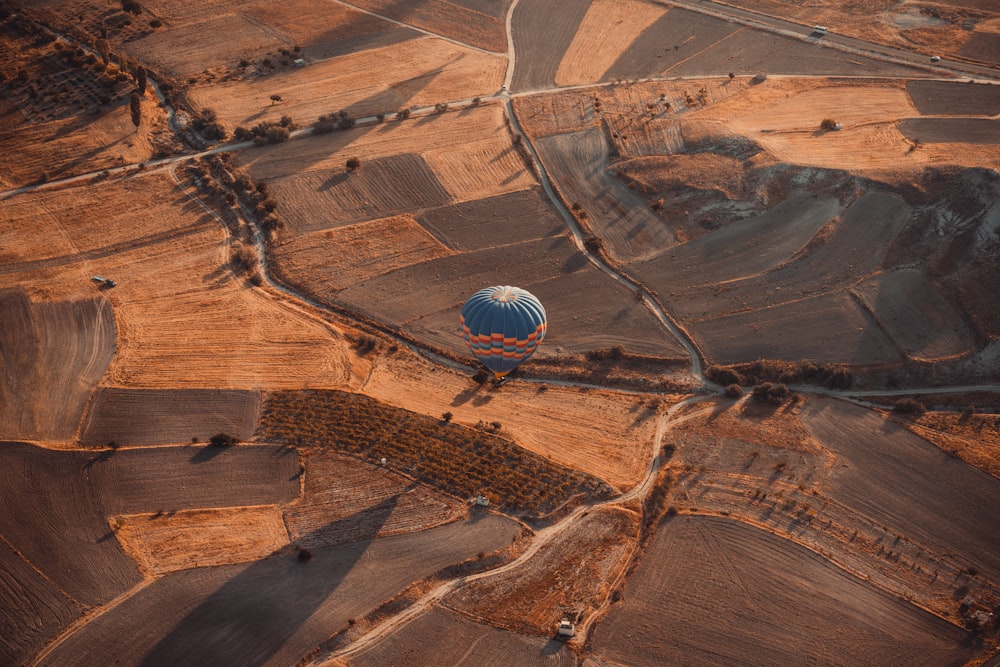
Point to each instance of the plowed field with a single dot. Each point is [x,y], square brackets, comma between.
[169,479]
[461,20]
[339,490]
[417,72]
[41,346]
[272,611]
[781,604]
[32,610]
[164,416]
[442,636]
[54,518]
[913,312]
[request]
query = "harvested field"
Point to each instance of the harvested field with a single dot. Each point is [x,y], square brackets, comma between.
[192,41]
[324,30]
[613,443]
[440,636]
[828,328]
[417,72]
[177,306]
[32,610]
[53,517]
[460,461]
[338,490]
[951,98]
[475,23]
[556,113]
[782,603]
[328,153]
[162,543]
[236,615]
[952,131]
[791,129]
[382,187]
[915,314]
[608,29]
[676,37]
[941,507]
[338,258]
[486,168]
[578,165]
[52,355]
[571,575]
[164,416]
[542,32]
[170,479]
[750,51]
[982,46]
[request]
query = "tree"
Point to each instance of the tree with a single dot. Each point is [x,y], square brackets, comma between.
[275,98]
[732,76]
[135,106]
[353,164]
[141,80]
[829,124]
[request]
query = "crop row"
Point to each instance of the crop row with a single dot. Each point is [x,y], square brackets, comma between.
[456,459]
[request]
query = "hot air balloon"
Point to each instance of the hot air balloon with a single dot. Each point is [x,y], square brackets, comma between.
[503,326]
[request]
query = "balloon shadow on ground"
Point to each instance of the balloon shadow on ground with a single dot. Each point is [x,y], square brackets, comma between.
[255,613]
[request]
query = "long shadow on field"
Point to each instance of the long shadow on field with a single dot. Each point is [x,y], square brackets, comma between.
[254,614]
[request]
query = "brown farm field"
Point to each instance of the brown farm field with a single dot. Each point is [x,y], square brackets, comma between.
[239,422]
[768,621]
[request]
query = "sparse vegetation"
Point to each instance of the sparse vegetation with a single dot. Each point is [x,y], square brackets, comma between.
[458,460]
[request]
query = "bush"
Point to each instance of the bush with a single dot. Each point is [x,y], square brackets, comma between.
[828,124]
[723,376]
[222,440]
[908,406]
[593,244]
[775,394]
[353,164]
[243,259]
[734,391]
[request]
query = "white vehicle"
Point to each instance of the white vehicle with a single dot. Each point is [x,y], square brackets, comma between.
[819,29]
[934,59]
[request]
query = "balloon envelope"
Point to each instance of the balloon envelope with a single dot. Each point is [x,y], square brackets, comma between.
[503,326]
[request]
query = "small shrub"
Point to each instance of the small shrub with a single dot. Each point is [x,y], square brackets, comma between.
[304,555]
[734,391]
[723,376]
[775,394]
[222,440]
[908,406]
[353,164]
